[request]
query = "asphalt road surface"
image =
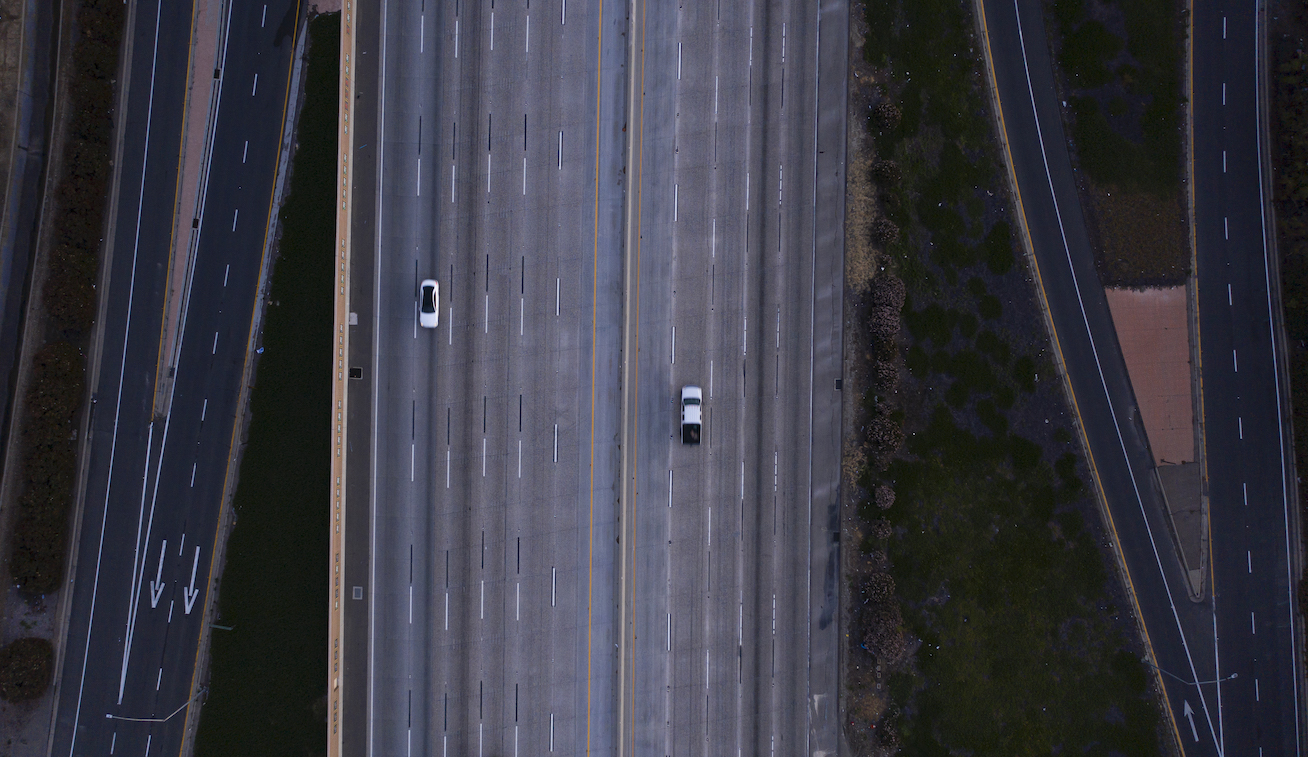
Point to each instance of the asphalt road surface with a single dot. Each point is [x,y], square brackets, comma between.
[1250,462]
[730,643]
[1228,664]
[155,485]
[494,545]
[494,474]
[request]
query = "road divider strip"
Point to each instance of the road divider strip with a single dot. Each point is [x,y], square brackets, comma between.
[340,324]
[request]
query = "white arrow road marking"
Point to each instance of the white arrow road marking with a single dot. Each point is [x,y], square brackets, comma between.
[156,586]
[190,593]
[1189,715]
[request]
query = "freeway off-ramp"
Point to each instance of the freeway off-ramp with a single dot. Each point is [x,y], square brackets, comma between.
[142,573]
[517,591]
[1229,666]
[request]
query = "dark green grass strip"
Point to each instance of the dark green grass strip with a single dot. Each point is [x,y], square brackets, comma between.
[269,675]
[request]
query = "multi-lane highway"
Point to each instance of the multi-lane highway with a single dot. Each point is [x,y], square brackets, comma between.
[1227,665]
[494,473]
[1251,479]
[735,286]
[583,180]
[155,483]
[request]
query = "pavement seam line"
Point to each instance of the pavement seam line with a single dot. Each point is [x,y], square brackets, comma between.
[630,384]
[1029,246]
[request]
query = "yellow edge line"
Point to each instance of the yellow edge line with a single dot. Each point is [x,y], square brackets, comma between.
[236,423]
[594,319]
[1067,382]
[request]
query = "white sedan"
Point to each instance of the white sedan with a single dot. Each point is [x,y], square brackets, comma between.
[430,304]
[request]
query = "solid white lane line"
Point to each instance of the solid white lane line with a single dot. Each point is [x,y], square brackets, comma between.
[226,272]
[245,151]
[255,88]
[235,214]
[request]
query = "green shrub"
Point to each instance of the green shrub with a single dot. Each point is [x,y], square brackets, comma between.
[26,668]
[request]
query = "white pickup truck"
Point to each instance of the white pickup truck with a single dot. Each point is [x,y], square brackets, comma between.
[691,400]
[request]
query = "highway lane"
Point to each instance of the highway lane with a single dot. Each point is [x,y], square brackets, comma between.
[1179,635]
[491,590]
[1250,468]
[721,653]
[155,485]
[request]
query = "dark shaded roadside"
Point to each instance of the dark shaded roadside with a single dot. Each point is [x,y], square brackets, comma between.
[268,680]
